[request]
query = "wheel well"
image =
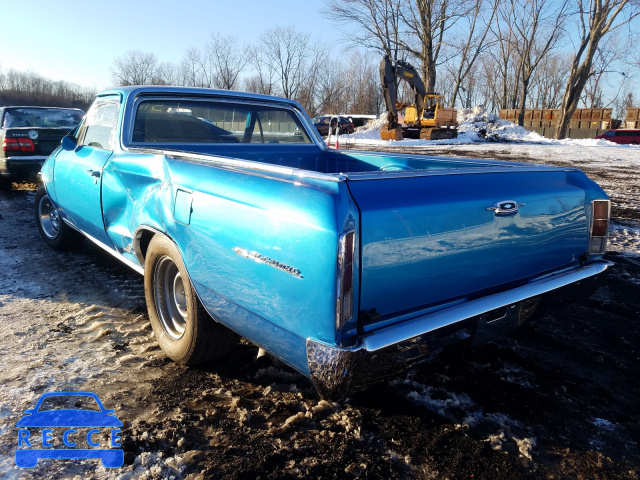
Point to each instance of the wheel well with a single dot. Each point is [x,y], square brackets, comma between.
[144,237]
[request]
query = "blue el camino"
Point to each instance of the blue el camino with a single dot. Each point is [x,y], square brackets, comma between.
[349,266]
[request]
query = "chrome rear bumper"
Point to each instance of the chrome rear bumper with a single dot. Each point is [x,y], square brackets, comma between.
[337,371]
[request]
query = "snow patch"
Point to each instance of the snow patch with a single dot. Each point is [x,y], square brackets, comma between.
[604,424]
[624,238]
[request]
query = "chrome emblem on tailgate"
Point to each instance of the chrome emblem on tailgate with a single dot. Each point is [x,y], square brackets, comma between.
[505,207]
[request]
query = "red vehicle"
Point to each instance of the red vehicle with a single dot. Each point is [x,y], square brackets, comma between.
[625,136]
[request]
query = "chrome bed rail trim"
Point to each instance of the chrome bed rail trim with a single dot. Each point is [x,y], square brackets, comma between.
[228,162]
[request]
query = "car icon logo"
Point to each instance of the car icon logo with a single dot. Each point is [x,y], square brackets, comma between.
[69,425]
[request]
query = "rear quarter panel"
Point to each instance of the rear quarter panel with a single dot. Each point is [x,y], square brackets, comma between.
[222,212]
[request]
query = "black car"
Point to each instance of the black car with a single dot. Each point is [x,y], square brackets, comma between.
[322,125]
[29,135]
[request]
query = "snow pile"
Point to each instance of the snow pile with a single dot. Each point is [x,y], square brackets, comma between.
[369,131]
[478,125]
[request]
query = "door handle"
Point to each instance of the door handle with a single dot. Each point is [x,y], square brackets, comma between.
[94,173]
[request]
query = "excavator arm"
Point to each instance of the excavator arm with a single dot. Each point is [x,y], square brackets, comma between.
[404,71]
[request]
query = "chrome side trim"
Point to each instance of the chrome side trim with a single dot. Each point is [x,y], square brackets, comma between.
[108,249]
[31,158]
[337,371]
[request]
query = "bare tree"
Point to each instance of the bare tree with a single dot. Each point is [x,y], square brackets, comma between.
[363,91]
[191,70]
[611,53]
[134,68]
[622,103]
[167,74]
[537,25]
[547,86]
[596,20]
[505,59]
[405,28]
[490,84]
[332,88]
[284,52]
[479,19]
[263,80]
[307,94]
[429,21]
[228,60]
[377,23]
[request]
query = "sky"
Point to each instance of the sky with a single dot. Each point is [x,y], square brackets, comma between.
[78,40]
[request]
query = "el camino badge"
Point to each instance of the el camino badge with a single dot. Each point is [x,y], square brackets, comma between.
[268,261]
[506,207]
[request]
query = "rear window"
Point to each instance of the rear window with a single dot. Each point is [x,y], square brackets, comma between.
[41,117]
[203,122]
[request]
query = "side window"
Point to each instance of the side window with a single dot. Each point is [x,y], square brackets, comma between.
[610,133]
[278,126]
[99,128]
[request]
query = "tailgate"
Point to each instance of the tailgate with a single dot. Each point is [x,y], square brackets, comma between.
[429,240]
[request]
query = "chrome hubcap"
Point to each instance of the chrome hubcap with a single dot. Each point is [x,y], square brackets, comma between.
[170,297]
[49,218]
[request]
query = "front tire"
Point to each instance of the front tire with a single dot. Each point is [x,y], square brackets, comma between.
[183,329]
[55,233]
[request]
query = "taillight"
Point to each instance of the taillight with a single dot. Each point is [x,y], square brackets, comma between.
[10,145]
[17,145]
[600,214]
[344,310]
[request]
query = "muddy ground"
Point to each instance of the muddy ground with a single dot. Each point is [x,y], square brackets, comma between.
[557,399]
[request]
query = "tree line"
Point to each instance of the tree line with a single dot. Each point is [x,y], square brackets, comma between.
[514,54]
[29,88]
[284,62]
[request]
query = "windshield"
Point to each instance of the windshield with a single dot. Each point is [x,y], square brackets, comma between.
[42,117]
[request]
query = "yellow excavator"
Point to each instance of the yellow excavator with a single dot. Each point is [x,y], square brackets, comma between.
[426,119]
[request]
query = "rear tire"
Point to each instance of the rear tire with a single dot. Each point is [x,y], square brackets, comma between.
[183,328]
[55,233]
